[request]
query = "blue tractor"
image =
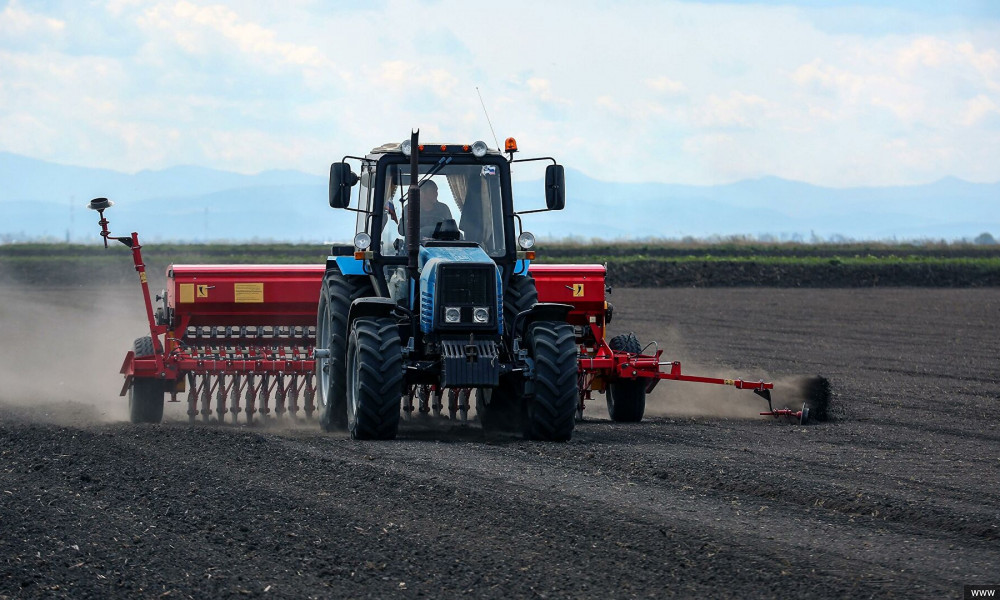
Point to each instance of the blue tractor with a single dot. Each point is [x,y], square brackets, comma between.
[435,298]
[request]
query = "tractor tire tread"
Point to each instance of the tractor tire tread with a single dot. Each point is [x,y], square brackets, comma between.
[519,296]
[380,378]
[551,412]
[340,292]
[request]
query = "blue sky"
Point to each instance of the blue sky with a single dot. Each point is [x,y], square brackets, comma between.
[832,93]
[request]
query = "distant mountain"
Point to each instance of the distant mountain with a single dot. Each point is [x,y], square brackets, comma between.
[948,209]
[185,203]
[188,203]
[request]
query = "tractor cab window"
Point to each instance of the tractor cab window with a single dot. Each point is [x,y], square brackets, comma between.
[469,194]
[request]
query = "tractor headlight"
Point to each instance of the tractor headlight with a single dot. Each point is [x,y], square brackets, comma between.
[405,148]
[526,240]
[481,314]
[362,241]
[452,314]
[479,149]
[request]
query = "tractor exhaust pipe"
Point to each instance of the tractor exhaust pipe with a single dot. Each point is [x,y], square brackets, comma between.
[413,210]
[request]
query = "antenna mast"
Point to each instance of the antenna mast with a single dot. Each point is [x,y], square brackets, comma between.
[495,141]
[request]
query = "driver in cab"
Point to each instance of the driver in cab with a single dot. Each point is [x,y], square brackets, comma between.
[432,211]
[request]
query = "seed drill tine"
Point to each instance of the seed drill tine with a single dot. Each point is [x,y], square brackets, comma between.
[192,397]
[463,404]
[583,389]
[423,395]
[279,402]
[293,395]
[437,404]
[264,395]
[251,395]
[234,407]
[220,397]
[206,397]
[408,403]
[310,395]
[452,403]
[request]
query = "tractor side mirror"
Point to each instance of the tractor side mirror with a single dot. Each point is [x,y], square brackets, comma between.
[342,179]
[555,187]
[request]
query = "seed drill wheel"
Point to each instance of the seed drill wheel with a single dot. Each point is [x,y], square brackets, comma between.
[336,296]
[551,412]
[145,397]
[626,397]
[374,379]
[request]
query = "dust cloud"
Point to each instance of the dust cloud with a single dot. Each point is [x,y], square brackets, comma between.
[61,349]
[687,399]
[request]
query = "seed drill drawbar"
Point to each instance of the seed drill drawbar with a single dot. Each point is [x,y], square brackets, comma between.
[436,301]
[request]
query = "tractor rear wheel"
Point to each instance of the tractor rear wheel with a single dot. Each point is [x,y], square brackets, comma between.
[145,396]
[550,412]
[374,379]
[336,296]
[626,397]
[520,295]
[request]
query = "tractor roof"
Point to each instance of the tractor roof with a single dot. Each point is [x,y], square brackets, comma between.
[429,148]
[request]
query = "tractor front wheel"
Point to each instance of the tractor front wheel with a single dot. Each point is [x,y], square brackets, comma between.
[374,379]
[626,397]
[551,411]
[145,396]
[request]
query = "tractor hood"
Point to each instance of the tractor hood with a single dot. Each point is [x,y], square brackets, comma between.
[470,253]
[460,277]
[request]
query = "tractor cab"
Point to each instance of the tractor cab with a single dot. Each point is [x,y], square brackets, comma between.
[465,201]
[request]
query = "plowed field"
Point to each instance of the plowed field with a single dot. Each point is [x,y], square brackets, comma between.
[896,496]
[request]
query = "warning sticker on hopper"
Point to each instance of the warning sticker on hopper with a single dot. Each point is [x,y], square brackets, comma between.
[187,293]
[248,292]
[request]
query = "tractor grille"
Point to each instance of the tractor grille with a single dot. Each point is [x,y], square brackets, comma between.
[467,286]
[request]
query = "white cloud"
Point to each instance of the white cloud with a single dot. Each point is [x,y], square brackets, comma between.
[15,21]
[667,86]
[196,29]
[610,103]
[541,89]
[936,53]
[735,110]
[396,73]
[977,109]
